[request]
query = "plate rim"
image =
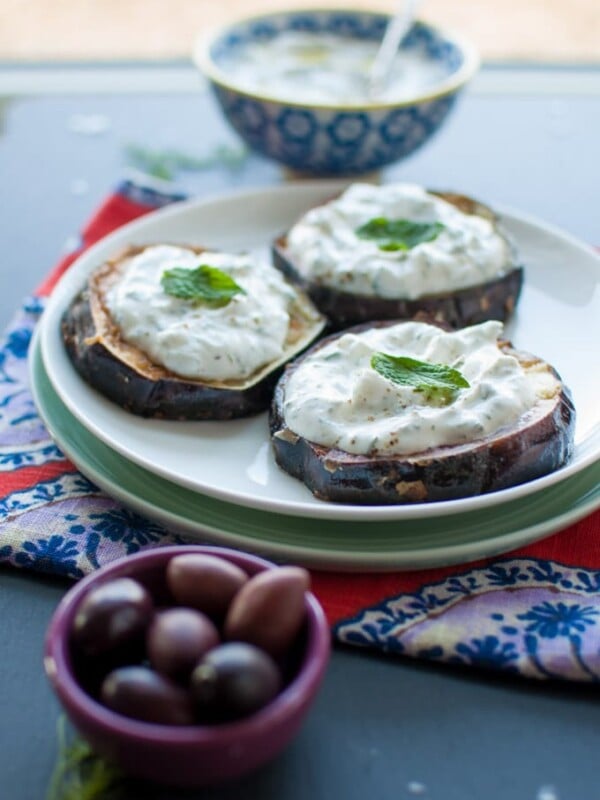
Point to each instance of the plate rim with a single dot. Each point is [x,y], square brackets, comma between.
[386,561]
[308,508]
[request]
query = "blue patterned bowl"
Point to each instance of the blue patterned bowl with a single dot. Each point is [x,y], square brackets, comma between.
[324,139]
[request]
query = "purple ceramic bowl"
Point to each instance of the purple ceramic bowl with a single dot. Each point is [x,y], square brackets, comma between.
[193,755]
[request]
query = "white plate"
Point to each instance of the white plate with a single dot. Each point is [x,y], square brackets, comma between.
[350,545]
[558,319]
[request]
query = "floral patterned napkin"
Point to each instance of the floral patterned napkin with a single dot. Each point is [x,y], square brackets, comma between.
[535,612]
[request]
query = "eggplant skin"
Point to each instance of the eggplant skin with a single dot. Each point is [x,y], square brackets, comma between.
[169,397]
[539,443]
[492,300]
[495,299]
[123,374]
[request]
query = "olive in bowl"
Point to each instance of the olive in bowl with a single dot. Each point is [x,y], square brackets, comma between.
[178,720]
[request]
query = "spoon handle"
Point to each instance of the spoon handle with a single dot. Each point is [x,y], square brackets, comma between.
[396,30]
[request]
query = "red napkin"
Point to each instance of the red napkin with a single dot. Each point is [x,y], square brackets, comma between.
[534,611]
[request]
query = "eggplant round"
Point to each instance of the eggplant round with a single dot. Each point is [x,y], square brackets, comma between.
[538,443]
[494,299]
[125,374]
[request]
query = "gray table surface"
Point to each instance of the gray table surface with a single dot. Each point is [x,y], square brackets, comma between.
[382,727]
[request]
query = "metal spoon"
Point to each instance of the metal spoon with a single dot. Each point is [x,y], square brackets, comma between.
[396,30]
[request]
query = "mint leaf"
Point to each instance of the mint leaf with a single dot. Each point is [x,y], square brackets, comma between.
[398,234]
[80,774]
[202,285]
[439,382]
[166,164]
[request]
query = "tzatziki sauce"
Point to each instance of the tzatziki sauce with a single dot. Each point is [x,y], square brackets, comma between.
[195,340]
[335,398]
[324,245]
[323,68]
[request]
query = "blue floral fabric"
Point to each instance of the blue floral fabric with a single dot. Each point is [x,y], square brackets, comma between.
[528,615]
[52,519]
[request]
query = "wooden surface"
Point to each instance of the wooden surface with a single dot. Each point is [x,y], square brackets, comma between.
[538,30]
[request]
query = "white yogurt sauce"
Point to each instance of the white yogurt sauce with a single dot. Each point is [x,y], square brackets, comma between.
[325,247]
[336,399]
[324,68]
[197,341]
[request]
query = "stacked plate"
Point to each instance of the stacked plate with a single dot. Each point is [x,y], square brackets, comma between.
[218,480]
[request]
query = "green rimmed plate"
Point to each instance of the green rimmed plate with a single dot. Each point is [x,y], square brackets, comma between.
[558,318]
[340,544]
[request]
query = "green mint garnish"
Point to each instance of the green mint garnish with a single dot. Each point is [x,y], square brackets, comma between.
[80,773]
[398,234]
[166,164]
[437,381]
[202,285]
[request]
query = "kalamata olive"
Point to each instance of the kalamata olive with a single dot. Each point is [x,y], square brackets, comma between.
[177,639]
[205,582]
[232,681]
[143,694]
[268,611]
[112,619]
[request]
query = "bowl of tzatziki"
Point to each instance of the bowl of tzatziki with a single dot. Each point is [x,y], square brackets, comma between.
[295,87]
